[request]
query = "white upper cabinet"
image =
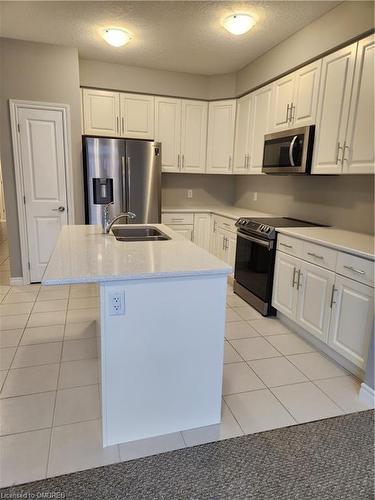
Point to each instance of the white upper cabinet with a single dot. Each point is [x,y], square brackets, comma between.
[137,116]
[101,112]
[259,127]
[359,145]
[193,136]
[242,137]
[168,132]
[282,101]
[352,320]
[220,142]
[305,97]
[333,110]
[295,98]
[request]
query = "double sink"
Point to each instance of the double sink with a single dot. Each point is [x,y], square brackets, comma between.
[144,233]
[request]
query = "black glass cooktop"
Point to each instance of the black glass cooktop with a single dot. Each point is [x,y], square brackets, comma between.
[281,222]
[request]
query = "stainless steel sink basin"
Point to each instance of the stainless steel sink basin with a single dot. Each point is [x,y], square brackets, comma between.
[147,233]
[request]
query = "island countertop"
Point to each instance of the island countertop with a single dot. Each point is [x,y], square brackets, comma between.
[84,254]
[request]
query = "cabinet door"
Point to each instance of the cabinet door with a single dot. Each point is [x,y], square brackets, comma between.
[306,90]
[185,230]
[202,225]
[333,110]
[217,243]
[359,150]
[193,136]
[284,296]
[221,124]
[282,100]
[168,131]
[314,299]
[137,116]
[259,126]
[241,143]
[101,112]
[352,320]
[231,244]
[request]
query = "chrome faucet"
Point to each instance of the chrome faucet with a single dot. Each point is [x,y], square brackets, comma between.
[109,223]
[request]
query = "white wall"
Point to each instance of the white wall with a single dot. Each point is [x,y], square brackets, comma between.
[207,190]
[348,20]
[346,201]
[36,72]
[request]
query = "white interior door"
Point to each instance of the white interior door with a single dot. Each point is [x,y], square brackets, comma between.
[43,163]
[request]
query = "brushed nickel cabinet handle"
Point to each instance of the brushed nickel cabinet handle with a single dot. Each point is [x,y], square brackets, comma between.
[358,271]
[183,161]
[287,113]
[285,245]
[178,162]
[294,277]
[123,124]
[230,162]
[315,255]
[338,153]
[332,296]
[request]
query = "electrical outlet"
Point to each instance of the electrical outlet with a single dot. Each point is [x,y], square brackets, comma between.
[255,196]
[116,303]
[190,193]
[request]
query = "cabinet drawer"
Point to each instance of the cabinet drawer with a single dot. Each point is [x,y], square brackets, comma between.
[177,218]
[291,246]
[319,255]
[224,223]
[356,268]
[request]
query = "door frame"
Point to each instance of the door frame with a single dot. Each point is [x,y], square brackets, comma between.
[14,106]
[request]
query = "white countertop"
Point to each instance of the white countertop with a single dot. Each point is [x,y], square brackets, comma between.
[84,254]
[347,241]
[223,210]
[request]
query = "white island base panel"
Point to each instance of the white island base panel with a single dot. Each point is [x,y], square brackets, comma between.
[162,360]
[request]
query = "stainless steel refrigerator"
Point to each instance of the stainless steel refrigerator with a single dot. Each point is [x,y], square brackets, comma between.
[126,174]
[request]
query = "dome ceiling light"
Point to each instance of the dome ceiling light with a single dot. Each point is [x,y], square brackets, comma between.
[238,24]
[116,37]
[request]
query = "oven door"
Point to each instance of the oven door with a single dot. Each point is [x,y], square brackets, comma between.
[255,258]
[288,152]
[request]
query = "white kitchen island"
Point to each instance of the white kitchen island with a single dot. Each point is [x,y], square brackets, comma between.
[161,358]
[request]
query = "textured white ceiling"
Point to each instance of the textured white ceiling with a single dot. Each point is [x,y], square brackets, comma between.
[177,36]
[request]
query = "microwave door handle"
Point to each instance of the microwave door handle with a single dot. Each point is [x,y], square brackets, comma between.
[291,150]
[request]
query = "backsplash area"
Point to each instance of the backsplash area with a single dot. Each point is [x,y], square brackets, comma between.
[343,201]
[207,190]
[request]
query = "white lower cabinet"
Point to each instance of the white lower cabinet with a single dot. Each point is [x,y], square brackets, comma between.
[185,230]
[352,320]
[284,289]
[202,228]
[224,239]
[335,309]
[315,285]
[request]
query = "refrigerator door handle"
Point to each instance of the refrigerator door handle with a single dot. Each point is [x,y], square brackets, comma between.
[127,184]
[124,190]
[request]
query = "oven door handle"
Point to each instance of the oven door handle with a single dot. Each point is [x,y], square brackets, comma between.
[291,150]
[268,244]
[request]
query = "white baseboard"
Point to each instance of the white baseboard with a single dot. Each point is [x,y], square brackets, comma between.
[367,395]
[16,281]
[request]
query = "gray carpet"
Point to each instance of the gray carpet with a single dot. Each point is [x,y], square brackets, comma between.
[328,459]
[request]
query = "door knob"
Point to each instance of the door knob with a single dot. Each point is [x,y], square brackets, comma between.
[60,209]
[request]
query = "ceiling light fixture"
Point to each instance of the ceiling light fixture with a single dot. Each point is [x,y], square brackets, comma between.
[238,24]
[116,37]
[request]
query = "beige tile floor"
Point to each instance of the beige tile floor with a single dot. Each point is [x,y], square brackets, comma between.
[49,381]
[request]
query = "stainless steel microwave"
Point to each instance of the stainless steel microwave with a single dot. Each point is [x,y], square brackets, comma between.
[289,151]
